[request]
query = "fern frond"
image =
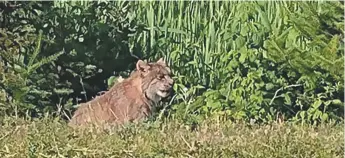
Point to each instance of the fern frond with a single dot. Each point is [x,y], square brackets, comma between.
[37,49]
[43,61]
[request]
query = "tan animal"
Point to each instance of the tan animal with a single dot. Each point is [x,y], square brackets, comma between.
[129,100]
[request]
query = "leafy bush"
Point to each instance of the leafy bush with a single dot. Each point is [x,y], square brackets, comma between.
[21,90]
[251,60]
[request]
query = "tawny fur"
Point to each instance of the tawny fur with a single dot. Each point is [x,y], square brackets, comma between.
[130,100]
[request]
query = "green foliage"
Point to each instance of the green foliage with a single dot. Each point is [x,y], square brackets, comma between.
[17,74]
[253,61]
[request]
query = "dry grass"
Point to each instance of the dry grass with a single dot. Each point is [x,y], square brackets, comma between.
[52,138]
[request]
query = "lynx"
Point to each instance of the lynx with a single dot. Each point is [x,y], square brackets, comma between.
[130,100]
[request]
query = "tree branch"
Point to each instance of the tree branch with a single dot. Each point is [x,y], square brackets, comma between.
[280,89]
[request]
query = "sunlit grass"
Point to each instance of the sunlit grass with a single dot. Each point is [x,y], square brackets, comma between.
[52,138]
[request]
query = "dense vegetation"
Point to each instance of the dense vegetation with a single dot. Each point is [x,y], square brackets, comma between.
[236,65]
[256,61]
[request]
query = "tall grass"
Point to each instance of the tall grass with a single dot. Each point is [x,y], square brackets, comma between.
[212,43]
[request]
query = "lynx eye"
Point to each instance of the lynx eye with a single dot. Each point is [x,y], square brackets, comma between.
[160,77]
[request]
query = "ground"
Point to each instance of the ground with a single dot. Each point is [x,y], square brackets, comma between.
[53,138]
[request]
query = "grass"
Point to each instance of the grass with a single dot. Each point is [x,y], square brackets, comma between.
[53,138]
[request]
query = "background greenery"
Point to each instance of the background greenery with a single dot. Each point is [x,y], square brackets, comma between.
[251,61]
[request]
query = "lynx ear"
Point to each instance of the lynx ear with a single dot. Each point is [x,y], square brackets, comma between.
[161,62]
[142,66]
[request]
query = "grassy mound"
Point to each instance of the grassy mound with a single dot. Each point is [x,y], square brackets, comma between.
[53,138]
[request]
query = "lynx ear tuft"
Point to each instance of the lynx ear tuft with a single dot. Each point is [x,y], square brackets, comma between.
[161,62]
[142,66]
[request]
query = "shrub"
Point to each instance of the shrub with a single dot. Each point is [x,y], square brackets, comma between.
[251,60]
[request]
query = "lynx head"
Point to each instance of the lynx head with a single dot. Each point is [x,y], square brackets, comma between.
[156,79]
